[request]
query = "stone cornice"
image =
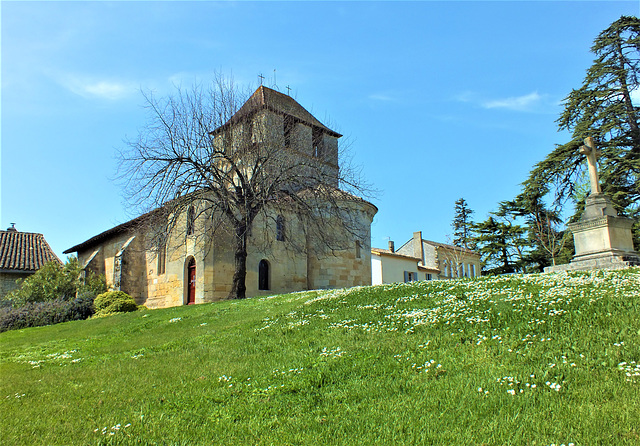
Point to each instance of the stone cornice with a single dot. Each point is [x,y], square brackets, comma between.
[601,222]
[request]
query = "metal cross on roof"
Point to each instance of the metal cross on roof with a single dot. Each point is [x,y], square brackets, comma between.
[261,78]
[288,90]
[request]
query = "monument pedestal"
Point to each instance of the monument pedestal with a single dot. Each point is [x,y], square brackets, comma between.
[602,239]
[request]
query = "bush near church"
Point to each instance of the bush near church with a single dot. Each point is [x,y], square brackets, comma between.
[54,294]
[113,302]
[37,314]
[56,282]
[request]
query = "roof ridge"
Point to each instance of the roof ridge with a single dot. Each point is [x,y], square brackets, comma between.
[21,232]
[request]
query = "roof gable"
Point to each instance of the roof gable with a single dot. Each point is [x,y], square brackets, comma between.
[24,251]
[266,98]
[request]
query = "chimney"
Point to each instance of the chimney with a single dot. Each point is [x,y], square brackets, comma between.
[12,228]
[392,247]
[417,246]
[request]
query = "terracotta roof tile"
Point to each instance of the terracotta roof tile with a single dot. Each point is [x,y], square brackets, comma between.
[24,251]
[386,252]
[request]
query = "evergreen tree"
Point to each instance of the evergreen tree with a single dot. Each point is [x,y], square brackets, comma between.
[546,233]
[462,225]
[502,242]
[603,109]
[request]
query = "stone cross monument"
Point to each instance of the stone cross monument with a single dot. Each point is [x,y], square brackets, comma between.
[602,239]
[592,153]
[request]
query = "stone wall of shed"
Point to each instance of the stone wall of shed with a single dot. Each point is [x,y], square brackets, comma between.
[8,282]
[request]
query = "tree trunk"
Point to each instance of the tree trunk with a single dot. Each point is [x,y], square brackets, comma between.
[239,287]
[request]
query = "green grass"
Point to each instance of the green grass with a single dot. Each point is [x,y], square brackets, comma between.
[526,360]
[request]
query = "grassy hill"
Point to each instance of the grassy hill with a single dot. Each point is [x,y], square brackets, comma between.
[526,360]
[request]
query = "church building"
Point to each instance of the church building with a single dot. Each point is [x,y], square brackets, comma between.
[194,265]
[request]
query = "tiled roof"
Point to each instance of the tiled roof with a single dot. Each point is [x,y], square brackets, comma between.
[278,102]
[386,252]
[452,247]
[428,268]
[121,228]
[24,251]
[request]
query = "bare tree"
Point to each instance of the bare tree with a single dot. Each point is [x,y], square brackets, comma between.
[454,256]
[227,159]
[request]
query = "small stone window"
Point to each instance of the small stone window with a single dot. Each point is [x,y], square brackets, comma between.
[263,275]
[280,228]
[191,220]
[162,258]
[288,127]
[358,250]
[318,143]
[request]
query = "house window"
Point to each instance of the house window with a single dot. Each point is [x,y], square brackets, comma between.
[162,258]
[191,220]
[263,275]
[410,276]
[358,250]
[428,276]
[472,270]
[288,130]
[280,228]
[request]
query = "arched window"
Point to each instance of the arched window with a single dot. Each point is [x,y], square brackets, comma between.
[191,220]
[263,275]
[190,276]
[280,228]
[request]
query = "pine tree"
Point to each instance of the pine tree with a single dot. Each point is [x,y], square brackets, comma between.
[547,236]
[603,109]
[462,225]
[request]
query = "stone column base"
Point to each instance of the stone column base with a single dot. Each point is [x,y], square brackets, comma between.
[610,261]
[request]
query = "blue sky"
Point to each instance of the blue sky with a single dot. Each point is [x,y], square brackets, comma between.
[440,100]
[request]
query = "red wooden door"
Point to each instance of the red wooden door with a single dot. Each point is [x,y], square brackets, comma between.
[191,292]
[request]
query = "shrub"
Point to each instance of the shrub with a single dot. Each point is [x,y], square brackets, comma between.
[113,302]
[54,281]
[36,314]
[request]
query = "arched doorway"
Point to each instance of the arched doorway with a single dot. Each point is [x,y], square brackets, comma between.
[191,282]
[263,275]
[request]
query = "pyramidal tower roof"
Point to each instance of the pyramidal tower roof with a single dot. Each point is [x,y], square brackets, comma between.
[267,98]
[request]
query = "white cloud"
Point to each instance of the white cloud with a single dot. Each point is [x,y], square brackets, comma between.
[381,97]
[92,88]
[106,90]
[518,103]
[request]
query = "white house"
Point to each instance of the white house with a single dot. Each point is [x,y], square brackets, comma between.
[420,259]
